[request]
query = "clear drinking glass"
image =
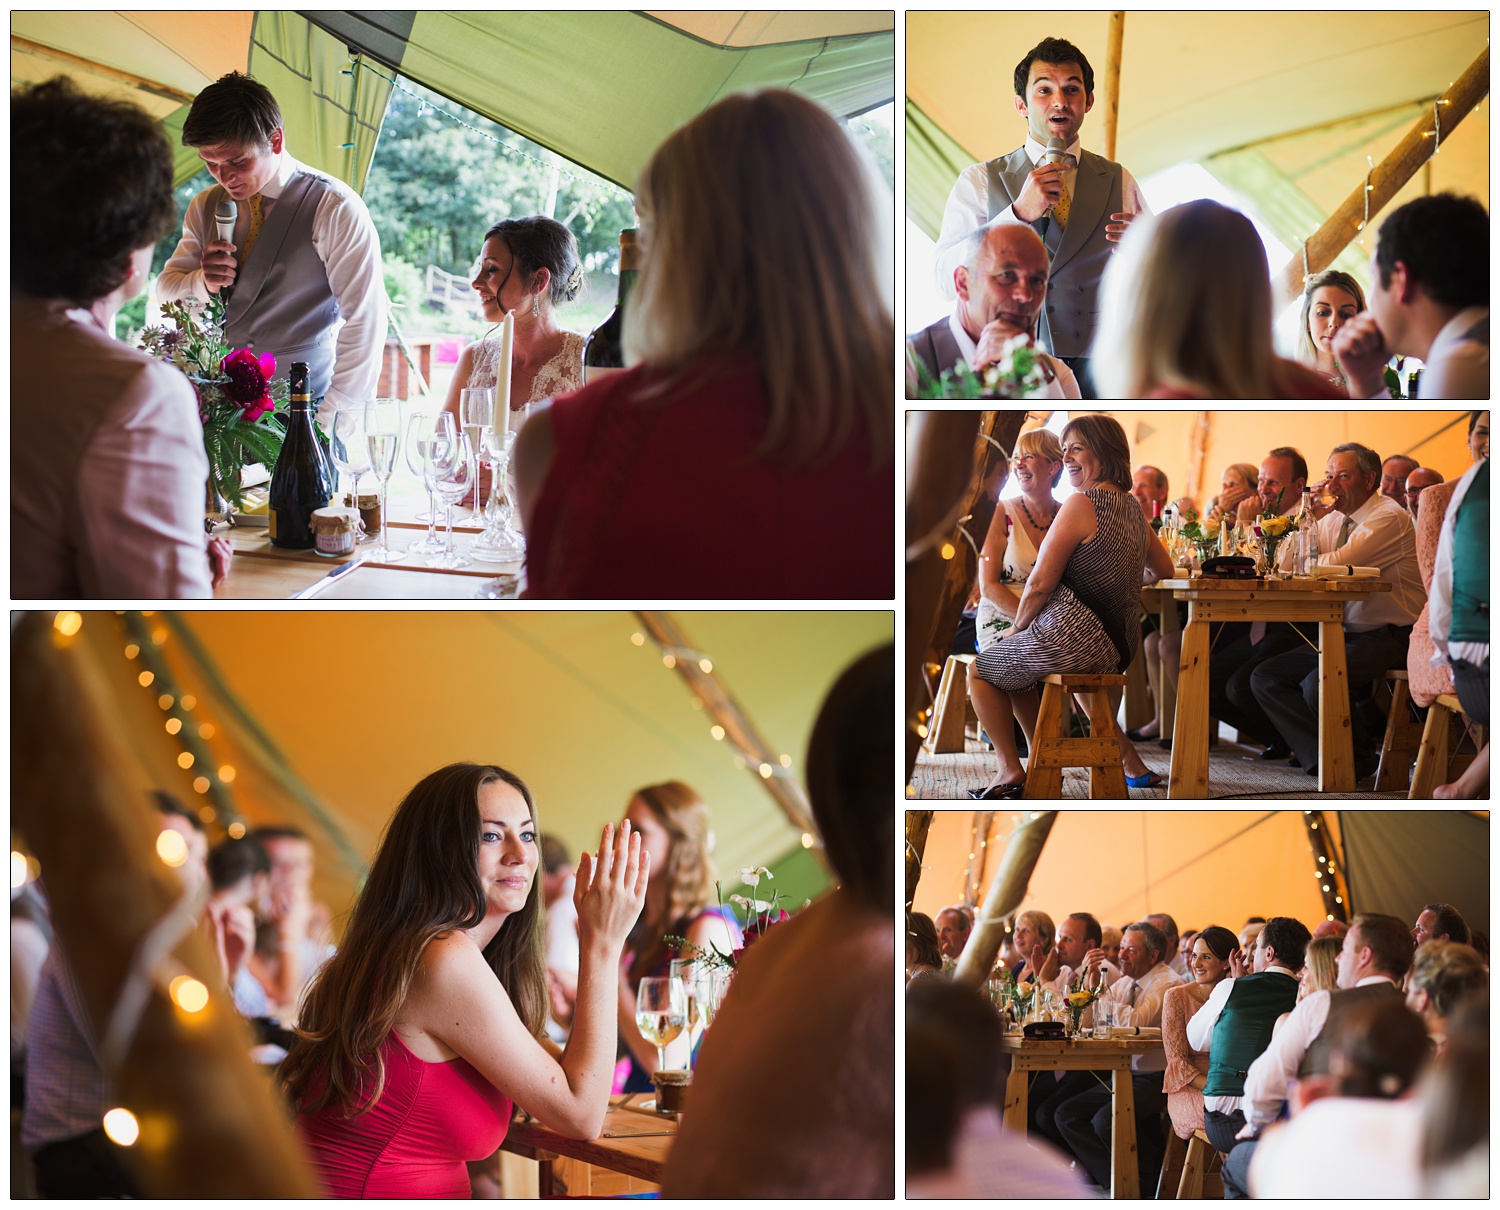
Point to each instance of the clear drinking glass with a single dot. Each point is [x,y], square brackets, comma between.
[452,470]
[422,429]
[501,541]
[350,450]
[382,426]
[661,1013]
[476,411]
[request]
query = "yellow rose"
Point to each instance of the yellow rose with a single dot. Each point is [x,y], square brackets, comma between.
[1079,999]
[1274,527]
[1023,989]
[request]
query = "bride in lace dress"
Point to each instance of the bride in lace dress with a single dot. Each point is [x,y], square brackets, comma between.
[528,266]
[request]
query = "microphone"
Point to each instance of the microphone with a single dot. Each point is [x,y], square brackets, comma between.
[1057,151]
[225,216]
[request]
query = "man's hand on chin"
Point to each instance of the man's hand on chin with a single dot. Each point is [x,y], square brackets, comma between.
[993,339]
[1361,352]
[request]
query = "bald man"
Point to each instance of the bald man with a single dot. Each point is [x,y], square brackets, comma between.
[1417,482]
[1001,285]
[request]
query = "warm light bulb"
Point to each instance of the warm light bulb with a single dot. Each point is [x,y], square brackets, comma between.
[669,660]
[174,725]
[207,814]
[171,847]
[165,701]
[121,1127]
[638,639]
[159,636]
[706,666]
[184,760]
[188,701]
[807,840]
[237,830]
[226,773]
[205,730]
[68,623]
[948,550]
[17,870]
[131,651]
[146,678]
[716,731]
[201,784]
[765,770]
[188,994]
[784,760]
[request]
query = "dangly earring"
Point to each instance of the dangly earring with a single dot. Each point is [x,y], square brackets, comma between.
[535,307]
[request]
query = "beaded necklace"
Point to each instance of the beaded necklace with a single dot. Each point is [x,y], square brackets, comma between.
[1035,524]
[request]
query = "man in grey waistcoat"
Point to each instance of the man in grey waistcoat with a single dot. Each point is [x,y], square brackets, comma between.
[302,273]
[1080,207]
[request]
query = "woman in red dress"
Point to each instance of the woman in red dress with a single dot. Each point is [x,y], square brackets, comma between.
[749,452]
[419,1034]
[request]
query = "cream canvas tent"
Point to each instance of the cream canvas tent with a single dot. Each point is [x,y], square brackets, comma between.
[1218,867]
[601,88]
[324,720]
[1284,107]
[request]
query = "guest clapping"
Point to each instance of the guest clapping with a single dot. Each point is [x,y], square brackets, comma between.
[1187,314]
[1016,532]
[1081,608]
[420,1033]
[1430,298]
[107,485]
[760,401]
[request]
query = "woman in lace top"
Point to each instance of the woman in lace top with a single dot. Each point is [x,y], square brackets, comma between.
[529,266]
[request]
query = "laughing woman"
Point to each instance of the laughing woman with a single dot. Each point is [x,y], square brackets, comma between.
[1016,532]
[1081,608]
[422,1031]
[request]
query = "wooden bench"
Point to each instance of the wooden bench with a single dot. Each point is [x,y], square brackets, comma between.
[1436,764]
[1054,750]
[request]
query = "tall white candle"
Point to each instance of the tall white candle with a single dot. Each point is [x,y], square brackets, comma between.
[502,372]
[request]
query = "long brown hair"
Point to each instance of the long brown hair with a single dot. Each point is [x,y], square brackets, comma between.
[424,882]
[688,871]
[762,235]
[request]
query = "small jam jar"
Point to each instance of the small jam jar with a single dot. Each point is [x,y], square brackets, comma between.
[335,531]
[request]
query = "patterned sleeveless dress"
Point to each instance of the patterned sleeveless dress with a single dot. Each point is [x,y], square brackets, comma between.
[564,372]
[1067,636]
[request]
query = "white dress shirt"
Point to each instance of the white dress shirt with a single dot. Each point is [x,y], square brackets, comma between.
[1064,386]
[1268,1078]
[1383,537]
[1440,602]
[1343,1147]
[968,208]
[1200,1030]
[1147,993]
[345,240]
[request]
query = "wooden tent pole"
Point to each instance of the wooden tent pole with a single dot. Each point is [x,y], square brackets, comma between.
[940,576]
[719,704]
[210,1126]
[979,839]
[1114,47]
[27,47]
[1414,150]
[917,825]
[1333,886]
[1006,891]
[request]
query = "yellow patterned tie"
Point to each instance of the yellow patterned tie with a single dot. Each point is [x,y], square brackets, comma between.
[1060,211]
[257,221]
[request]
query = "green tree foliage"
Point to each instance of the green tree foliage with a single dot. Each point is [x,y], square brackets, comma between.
[436,186]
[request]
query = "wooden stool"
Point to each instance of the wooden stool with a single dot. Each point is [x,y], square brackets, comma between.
[950,707]
[1403,737]
[1054,751]
[1171,1166]
[1202,1161]
[1433,759]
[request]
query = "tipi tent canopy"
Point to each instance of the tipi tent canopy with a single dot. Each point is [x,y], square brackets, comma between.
[1218,867]
[1282,106]
[601,88]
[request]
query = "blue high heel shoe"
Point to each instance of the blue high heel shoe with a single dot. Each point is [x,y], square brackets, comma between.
[1145,781]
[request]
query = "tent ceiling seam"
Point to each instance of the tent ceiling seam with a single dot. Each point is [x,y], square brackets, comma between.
[740,50]
[256,44]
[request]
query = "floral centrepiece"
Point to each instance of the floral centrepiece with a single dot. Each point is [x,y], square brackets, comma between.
[1204,535]
[237,400]
[1080,996]
[1271,527]
[760,916]
[1020,372]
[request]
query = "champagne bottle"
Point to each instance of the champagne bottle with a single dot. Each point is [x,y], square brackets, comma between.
[302,481]
[604,352]
[1156,516]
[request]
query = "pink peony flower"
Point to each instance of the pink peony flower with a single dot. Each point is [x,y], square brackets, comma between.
[248,378]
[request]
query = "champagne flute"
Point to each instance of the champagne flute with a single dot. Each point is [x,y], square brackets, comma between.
[382,435]
[661,1013]
[476,409]
[421,430]
[501,541]
[351,453]
[453,472]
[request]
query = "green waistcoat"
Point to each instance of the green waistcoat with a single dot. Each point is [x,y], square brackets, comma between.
[1471,563]
[1243,1029]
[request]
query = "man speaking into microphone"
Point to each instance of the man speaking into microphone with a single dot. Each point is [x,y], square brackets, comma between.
[1078,202]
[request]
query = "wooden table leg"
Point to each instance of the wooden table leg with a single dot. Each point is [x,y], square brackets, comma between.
[1015,1098]
[1189,776]
[1168,624]
[1125,1177]
[1335,737]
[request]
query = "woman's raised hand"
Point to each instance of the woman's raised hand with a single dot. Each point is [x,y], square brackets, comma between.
[610,886]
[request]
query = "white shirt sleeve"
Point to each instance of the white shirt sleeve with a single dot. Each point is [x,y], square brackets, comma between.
[345,240]
[1200,1026]
[141,492]
[1273,1071]
[182,275]
[1135,200]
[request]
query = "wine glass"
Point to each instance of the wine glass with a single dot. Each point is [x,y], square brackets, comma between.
[661,1013]
[476,411]
[382,427]
[421,430]
[453,471]
[350,450]
[501,541]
